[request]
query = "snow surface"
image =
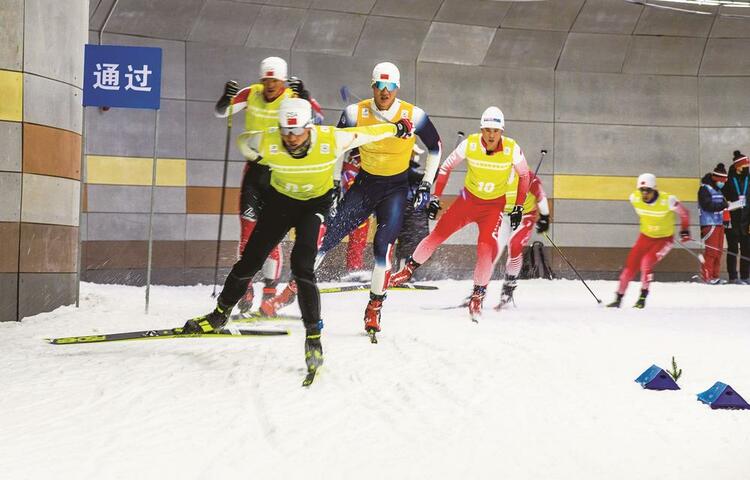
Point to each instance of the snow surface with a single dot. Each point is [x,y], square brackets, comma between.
[542,391]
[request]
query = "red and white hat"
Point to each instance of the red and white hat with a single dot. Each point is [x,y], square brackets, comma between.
[273,67]
[295,112]
[492,117]
[739,159]
[646,180]
[386,72]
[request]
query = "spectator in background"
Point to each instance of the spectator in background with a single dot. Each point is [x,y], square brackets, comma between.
[711,205]
[738,237]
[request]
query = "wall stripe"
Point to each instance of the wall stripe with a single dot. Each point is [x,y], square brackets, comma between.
[596,187]
[11,96]
[170,172]
[51,151]
[208,200]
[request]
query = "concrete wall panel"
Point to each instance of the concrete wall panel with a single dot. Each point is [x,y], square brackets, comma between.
[169,19]
[173,60]
[726,56]
[352,6]
[724,102]
[522,94]
[224,22]
[8,297]
[11,34]
[594,235]
[727,27]
[488,13]
[656,21]
[10,197]
[44,292]
[206,227]
[134,226]
[525,48]
[453,43]
[48,248]
[592,52]
[134,199]
[625,150]
[276,27]
[208,173]
[50,200]
[120,131]
[550,15]
[51,151]
[626,99]
[208,133]
[606,16]
[11,140]
[329,32]
[51,103]
[98,15]
[595,211]
[171,140]
[419,9]
[392,37]
[10,234]
[664,55]
[717,145]
[290,3]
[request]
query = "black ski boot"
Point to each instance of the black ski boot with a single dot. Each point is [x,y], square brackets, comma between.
[506,297]
[313,355]
[641,302]
[617,302]
[209,323]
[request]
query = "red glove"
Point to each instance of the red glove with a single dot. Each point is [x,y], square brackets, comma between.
[404,128]
[685,236]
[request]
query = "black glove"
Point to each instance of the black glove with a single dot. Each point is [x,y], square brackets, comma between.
[335,198]
[542,225]
[231,89]
[433,208]
[422,195]
[685,236]
[515,217]
[404,128]
[298,87]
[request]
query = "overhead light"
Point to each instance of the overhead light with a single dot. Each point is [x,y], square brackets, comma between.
[698,3]
[665,7]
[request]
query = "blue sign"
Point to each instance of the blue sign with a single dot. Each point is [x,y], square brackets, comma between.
[117,76]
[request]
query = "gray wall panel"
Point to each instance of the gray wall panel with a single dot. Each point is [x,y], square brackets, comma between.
[289,3]
[595,235]
[626,99]
[525,48]
[206,227]
[134,226]
[593,52]
[54,33]
[664,55]
[625,150]
[522,94]
[488,13]
[208,173]
[120,132]
[208,133]
[97,17]
[276,27]
[453,43]
[655,21]
[51,103]
[392,37]
[727,27]
[724,102]
[606,16]
[170,19]
[329,32]
[224,22]
[11,34]
[10,197]
[419,9]
[717,145]
[352,6]
[548,15]
[171,141]
[595,211]
[135,199]
[8,297]
[173,60]
[44,292]
[726,56]
[11,140]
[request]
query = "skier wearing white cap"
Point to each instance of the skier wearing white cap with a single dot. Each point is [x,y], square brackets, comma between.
[302,158]
[261,102]
[491,158]
[381,186]
[656,209]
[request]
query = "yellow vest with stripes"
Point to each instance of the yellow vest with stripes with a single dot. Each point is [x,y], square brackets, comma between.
[391,155]
[487,175]
[529,205]
[301,178]
[657,220]
[260,114]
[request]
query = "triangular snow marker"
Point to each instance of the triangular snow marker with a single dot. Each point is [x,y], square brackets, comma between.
[721,395]
[655,378]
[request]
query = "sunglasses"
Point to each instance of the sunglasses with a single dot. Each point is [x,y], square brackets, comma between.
[646,190]
[390,86]
[292,130]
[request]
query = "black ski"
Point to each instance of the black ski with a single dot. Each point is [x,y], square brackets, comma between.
[259,317]
[367,286]
[161,334]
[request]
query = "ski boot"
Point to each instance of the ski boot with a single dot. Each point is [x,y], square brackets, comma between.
[403,275]
[372,316]
[506,297]
[271,306]
[209,323]
[313,355]
[616,303]
[476,301]
[641,302]
[269,289]
[245,305]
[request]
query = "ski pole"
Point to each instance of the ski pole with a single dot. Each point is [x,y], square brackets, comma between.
[542,154]
[723,250]
[223,192]
[696,255]
[574,268]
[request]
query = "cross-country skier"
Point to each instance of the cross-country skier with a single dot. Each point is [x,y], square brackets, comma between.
[656,210]
[261,104]
[535,212]
[711,205]
[302,158]
[490,157]
[382,183]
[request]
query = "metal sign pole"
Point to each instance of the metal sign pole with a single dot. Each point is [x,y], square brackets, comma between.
[151,211]
[80,207]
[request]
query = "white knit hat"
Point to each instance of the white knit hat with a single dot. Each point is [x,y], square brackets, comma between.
[646,180]
[492,118]
[295,112]
[273,67]
[386,72]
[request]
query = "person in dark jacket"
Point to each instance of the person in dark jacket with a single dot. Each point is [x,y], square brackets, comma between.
[711,205]
[738,237]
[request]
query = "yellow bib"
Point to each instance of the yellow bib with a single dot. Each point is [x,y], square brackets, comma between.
[391,155]
[529,205]
[301,178]
[657,220]
[260,114]
[487,175]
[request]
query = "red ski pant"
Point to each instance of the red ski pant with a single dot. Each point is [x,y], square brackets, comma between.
[646,253]
[518,240]
[713,237]
[355,250]
[467,208]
